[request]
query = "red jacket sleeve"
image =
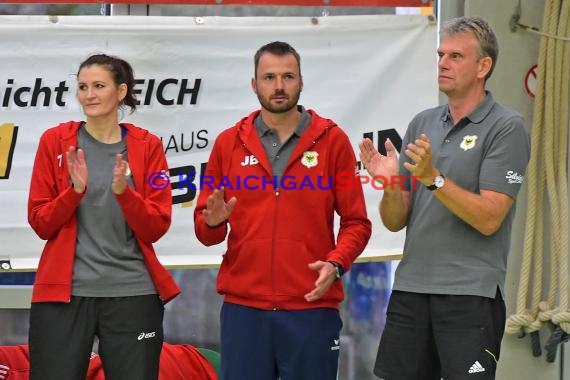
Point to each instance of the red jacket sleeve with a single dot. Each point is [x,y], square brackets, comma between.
[14,363]
[48,208]
[95,369]
[182,361]
[148,210]
[206,234]
[355,227]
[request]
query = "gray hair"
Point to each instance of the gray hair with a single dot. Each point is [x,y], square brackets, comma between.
[488,45]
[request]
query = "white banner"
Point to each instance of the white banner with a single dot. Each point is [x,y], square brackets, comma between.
[370,74]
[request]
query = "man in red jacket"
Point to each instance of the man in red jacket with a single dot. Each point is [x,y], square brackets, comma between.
[276,180]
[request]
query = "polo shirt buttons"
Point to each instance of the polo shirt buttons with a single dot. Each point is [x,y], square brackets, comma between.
[274,145]
[447,141]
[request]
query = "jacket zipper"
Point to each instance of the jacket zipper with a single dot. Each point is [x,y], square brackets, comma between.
[275,219]
[272,269]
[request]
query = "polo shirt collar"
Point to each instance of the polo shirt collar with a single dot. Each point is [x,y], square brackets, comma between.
[262,129]
[478,114]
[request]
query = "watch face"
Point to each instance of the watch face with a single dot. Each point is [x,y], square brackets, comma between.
[439,181]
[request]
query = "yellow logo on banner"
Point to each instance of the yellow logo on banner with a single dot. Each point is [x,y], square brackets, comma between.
[8,133]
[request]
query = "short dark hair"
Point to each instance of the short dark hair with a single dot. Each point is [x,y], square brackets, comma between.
[276,48]
[488,45]
[121,72]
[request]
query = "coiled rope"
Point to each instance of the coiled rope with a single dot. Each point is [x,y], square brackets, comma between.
[547,179]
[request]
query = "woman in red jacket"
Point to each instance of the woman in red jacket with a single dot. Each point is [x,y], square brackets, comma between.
[98,274]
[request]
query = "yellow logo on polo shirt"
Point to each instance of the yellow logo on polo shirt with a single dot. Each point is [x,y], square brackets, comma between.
[468,142]
[310,159]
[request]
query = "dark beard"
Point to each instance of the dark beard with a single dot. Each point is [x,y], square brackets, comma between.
[281,108]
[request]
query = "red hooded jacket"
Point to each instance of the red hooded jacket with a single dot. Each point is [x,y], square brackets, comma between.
[52,204]
[177,362]
[276,232]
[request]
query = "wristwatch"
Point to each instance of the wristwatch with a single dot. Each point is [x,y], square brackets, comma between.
[438,183]
[339,269]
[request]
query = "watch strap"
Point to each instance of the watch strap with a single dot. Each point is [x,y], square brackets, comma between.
[433,186]
[339,269]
